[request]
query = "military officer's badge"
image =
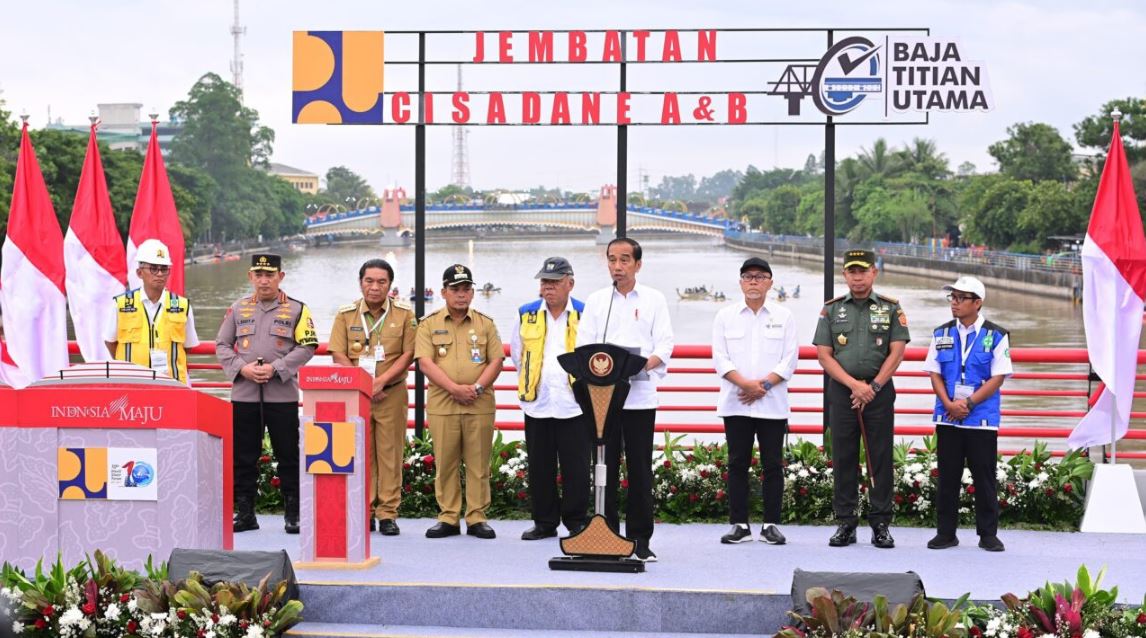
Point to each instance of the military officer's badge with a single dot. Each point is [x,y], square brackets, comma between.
[843,339]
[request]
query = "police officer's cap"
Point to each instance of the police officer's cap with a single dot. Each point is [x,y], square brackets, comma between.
[755,262]
[457,274]
[269,262]
[861,258]
[555,268]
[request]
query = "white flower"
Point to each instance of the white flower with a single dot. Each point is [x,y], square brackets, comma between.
[1001,475]
[254,631]
[803,474]
[132,605]
[112,612]
[71,616]
[966,476]
[17,627]
[225,618]
[1042,477]
[1090,633]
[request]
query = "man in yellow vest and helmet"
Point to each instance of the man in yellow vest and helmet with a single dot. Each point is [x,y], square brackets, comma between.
[555,429]
[153,326]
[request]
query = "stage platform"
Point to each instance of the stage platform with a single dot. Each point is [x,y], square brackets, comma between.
[464,586]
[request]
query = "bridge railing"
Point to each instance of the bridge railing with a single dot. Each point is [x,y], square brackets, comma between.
[1049,392]
[326,218]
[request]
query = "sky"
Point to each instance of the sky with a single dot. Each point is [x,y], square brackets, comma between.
[1052,61]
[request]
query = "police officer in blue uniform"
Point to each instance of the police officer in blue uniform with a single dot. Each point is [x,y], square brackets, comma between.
[968,360]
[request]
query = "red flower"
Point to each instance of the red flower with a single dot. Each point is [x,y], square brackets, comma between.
[1003,503]
[88,608]
[668,463]
[704,474]
[264,459]
[276,482]
[1141,619]
[1049,492]
[1038,466]
[124,598]
[828,463]
[181,614]
[503,454]
[428,460]
[755,462]
[1023,632]
[803,491]
[976,632]
[521,495]
[911,498]
[49,610]
[408,488]
[970,489]
[692,497]
[915,484]
[1012,489]
[132,626]
[1068,488]
[672,488]
[202,633]
[863,487]
[405,466]
[559,479]
[718,463]
[724,476]
[520,474]
[426,489]
[625,483]
[898,499]
[40,624]
[720,495]
[934,472]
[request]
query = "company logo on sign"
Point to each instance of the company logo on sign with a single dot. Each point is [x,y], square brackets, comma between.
[333,377]
[120,409]
[329,447]
[113,474]
[601,364]
[848,73]
[337,77]
[82,473]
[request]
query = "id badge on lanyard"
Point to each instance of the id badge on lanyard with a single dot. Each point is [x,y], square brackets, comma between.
[372,355]
[158,358]
[964,390]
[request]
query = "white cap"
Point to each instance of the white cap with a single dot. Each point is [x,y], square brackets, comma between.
[153,251]
[966,283]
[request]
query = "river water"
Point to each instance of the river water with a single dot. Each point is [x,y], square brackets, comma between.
[326,278]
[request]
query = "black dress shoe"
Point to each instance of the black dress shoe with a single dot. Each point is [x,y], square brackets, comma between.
[538,532]
[388,527]
[845,535]
[738,534]
[644,553]
[942,542]
[442,530]
[881,537]
[244,522]
[991,544]
[373,523]
[771,534]
[481,530]
[574,528]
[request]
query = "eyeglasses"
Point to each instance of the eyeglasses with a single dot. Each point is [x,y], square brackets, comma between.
[755,276]
[156,269]
[961,298]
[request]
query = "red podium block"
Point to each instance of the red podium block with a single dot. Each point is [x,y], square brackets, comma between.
[335,455]
[130,466]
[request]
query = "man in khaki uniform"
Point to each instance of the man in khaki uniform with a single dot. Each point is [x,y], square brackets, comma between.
[377,333]
[459,351]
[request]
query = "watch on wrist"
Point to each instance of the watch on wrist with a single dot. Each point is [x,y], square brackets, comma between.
[479,388]
[767,385]
[876,386]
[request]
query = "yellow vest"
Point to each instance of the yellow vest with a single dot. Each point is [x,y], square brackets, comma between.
[135,336]
[533,344]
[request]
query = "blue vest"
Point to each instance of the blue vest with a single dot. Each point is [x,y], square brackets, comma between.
[949,352]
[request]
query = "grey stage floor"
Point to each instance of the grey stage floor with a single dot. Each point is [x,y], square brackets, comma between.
[692,558]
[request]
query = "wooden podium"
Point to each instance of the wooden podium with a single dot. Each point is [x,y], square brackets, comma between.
[335,455]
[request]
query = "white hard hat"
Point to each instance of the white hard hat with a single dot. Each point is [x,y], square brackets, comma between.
[153,251]
[970,284]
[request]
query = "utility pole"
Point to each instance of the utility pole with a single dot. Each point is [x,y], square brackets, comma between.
[460,170]
[237,32]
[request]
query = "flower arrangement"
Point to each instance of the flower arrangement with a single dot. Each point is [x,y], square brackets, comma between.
[270,496]
[1064,610]
[98,599]
[689,484]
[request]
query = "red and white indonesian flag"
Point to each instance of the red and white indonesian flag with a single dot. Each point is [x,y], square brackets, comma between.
[32,276]
[93,254]
[1114,288]
[155,217]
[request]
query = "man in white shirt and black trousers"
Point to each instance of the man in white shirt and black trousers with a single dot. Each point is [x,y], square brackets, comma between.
[630,315]
[555,429]
[755,349]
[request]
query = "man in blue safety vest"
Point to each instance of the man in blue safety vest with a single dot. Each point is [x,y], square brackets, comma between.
[968,359]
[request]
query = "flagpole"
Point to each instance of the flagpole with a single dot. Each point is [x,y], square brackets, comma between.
[1116,115]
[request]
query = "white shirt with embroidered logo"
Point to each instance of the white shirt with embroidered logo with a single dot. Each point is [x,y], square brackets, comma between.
[554,394]
[754,344]
[638,319]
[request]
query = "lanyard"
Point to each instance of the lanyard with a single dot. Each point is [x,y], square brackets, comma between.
[371,329]
[151,321]
[966,352]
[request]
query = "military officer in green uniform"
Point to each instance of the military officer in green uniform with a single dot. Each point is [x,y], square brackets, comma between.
[377,333]
[860,339]
[459,350]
